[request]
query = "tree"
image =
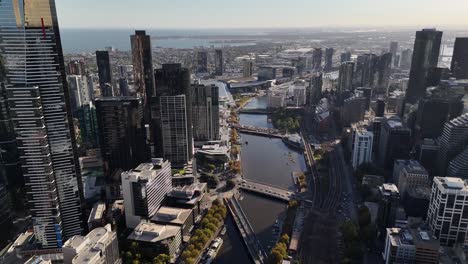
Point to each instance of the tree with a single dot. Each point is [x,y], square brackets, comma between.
[284,239]
[364,216]
[349,231]
[162,259]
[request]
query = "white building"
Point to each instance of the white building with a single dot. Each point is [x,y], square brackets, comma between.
[81,92]
[275,100]
[448,210]
[100,246]
[144,189]
[362,147]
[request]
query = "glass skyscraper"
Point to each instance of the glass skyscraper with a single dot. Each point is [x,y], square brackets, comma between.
[39,106]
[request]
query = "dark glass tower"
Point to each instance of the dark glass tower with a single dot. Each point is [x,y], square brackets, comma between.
[317,55]
[104,72]
[39,104]
[121,134]
[219,62]
[460,59]
[328,59]
[202,62]
[172,81]
[425,55]
[143,70]
[205,112]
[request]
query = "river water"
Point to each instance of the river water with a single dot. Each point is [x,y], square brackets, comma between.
[268,161]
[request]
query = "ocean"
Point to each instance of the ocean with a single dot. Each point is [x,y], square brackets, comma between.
[90,40]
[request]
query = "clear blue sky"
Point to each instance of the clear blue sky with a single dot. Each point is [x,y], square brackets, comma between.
[259,13]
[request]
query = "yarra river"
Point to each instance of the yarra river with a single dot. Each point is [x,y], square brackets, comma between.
[268,161]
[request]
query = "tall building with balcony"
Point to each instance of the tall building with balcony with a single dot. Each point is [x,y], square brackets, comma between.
[205,111]
[39,98]
[425,55]
[144,189]
[247,68]
[448,210]
[345,79]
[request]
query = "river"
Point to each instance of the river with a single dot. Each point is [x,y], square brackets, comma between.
[265,160]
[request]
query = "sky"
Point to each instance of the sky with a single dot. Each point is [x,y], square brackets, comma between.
[259,13]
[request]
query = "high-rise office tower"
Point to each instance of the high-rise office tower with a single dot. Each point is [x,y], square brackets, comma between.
[460,59]
[143,72]
[205,111]
[6,220]
[410,175]
[173,130]
[76,67]
[425,55]
[174,126]
[328,59]
[79,92]
[431,117]
[144,189]
[380,107]
[365,70]
[393,51]
[362,147]
[436,74]
[452,142]
[405,59]
[383,71]
[316,84]
[202,61]
[345,79]
[121,133]
[104,70]
[345,56]
[448,210]
[317,55]
[458,167]
[219,62]
[10,171]
[388,205]
[39,105]
[247,70]
[395,141]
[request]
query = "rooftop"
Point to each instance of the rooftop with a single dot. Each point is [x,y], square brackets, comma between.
[149,232]
[414,237]
[97,212]
[450,183]
[170,215]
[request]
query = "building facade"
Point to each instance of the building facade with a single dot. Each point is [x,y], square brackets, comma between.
[39,99]
[205,112]
[144,189]
[362,148]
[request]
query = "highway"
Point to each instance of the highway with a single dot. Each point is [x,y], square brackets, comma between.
[265,189]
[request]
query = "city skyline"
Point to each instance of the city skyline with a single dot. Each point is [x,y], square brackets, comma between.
[259,14]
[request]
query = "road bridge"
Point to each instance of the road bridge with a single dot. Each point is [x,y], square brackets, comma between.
[266,190]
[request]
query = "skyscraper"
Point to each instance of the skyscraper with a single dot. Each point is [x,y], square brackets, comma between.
[314,92]
[121,134]
[393,51]
[448,210]
[460,59]
[395,141]
[405,59]
[104,71]
[383,70]
[345,79]
[328,59]
[247,70]
[317,55]
[452,142]
[39,105]
[202,61]
[345,56]
[425,55]
[219,62]
[143,70]
[362,147]
[76,67]
[205,112]
[144,189]
[173,81]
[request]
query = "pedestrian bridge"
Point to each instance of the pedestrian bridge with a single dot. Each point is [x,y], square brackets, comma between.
[266,190]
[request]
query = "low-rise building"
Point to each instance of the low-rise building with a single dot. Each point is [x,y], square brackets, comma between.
[100,246]
[188,197]
[405,245]
[154,239]
[97,216]
[175,216]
